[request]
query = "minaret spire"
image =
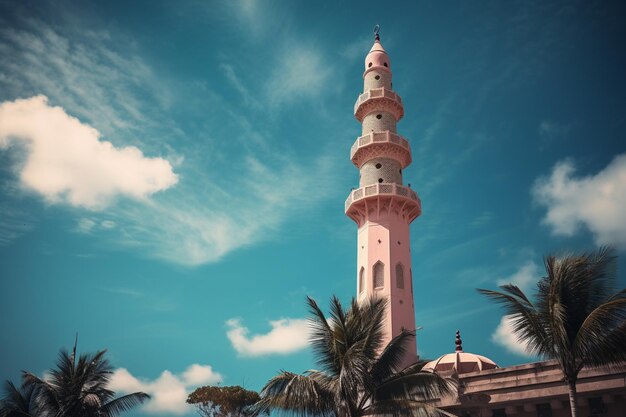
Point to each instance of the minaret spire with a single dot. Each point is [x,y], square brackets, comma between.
[382,206]
[458,342]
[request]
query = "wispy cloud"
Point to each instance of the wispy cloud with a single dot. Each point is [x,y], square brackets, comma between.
[552,128]
[358,48]
[85,75]
[286,336]
[239,86]
[597,201]
[193,226]
[482,219]
[301,72]
[169,391]
[207,214]
[527,275]
[13,224]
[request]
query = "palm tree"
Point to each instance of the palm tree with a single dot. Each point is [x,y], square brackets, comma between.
[18,403]
[358,375]
[78,388]
[578,318]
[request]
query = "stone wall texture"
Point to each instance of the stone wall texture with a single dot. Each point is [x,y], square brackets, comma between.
[371,123]
[389,171]
[370,81]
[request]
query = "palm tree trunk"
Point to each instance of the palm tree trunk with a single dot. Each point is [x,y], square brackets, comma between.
[572,397]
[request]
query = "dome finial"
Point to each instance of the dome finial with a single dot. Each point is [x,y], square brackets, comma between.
[458,342]
[376,35]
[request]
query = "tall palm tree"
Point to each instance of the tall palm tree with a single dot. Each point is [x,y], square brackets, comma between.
[78,388]
[578,317]
[358,376]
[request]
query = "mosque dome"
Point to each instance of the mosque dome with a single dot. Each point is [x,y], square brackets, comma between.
[459,362]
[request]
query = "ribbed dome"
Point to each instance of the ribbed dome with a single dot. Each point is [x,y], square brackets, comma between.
[459,361]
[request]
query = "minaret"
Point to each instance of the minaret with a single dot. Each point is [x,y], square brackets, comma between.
[382,207]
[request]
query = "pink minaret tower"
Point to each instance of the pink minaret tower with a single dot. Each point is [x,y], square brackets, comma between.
[382,207]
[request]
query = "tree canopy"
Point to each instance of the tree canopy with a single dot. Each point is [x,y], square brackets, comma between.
[578,316]
[359,375]
[229,401]
[76,387]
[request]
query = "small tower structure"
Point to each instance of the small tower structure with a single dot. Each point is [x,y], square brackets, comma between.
[382,207]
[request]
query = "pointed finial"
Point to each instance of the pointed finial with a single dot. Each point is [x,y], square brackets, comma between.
[458,342]
[376,30]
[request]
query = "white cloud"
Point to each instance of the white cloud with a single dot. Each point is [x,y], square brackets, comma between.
[66,162]
[597,202]
[168,391]
[527,275]
[287,336]
[504,336]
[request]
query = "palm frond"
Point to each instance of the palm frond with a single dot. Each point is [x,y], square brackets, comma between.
[578,317]
[124,403]
[296,395]
[18,403]
[321,339]
[526,321]
[392,356]
[418,386]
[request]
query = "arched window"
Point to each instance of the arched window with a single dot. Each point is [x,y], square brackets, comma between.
[361,280]
[379,275]
[399,276]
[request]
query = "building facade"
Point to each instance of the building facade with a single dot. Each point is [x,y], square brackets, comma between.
[530,390]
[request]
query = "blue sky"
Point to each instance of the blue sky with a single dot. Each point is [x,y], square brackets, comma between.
[172,176]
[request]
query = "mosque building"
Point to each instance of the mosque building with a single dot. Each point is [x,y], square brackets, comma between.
[383,209]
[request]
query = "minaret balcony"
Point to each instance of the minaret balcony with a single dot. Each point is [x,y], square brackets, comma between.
[381,144]
[375,200]
[378,99]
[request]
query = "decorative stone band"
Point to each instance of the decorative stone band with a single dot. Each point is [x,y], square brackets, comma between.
[372,201]
[378,99]
[380,144]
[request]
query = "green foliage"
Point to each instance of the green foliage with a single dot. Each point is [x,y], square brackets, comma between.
[578,317]
[358,374]
[218,401]
[75,388]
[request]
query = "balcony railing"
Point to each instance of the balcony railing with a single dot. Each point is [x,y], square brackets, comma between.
[377,93]
[380,189]
[379,137]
